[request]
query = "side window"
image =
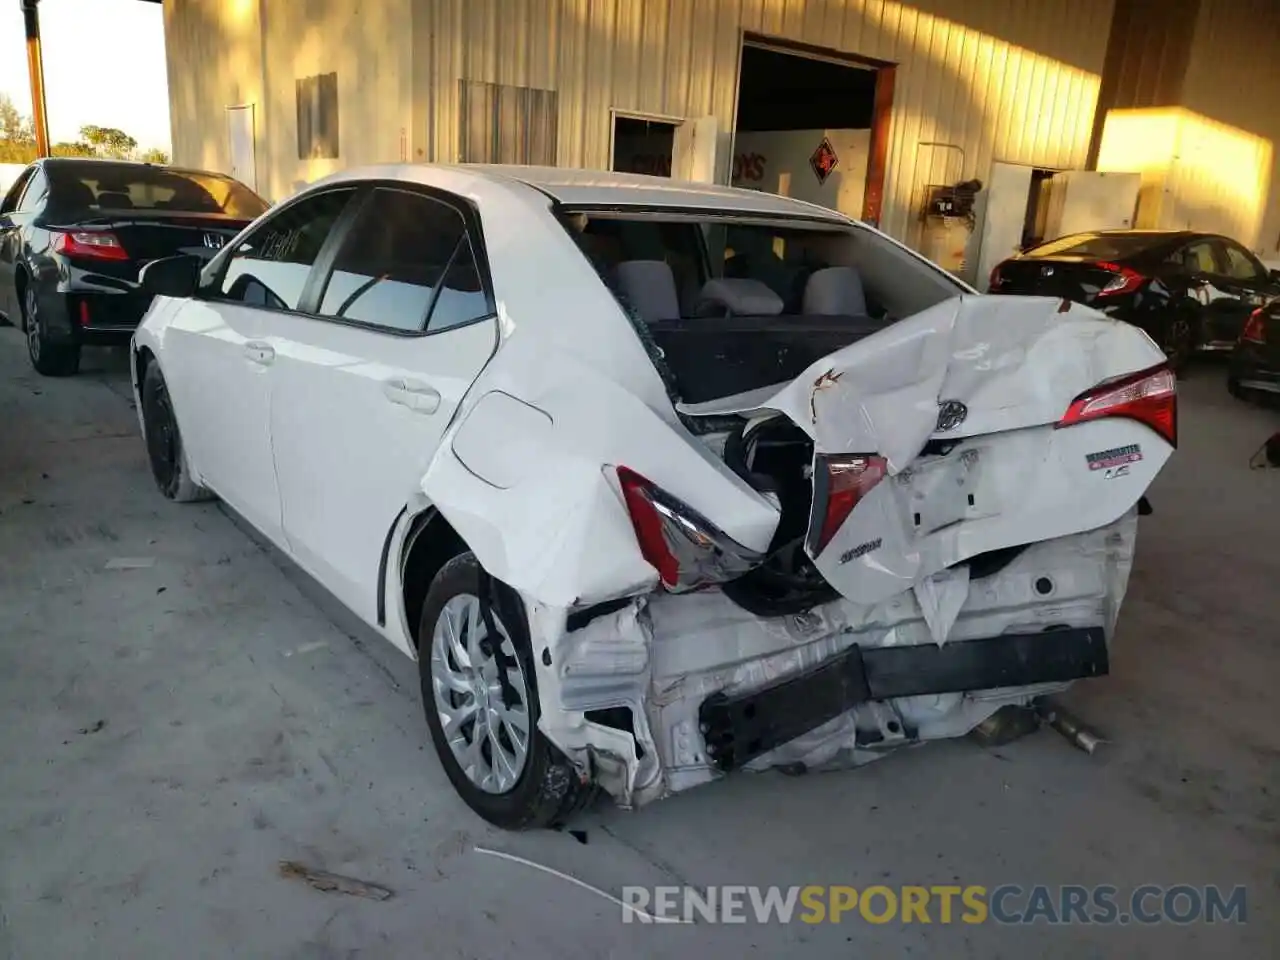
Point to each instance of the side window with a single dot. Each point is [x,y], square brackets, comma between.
[10,203]
[405,257]
[270,267]
[1240,265]
[37,189]
[1197,258]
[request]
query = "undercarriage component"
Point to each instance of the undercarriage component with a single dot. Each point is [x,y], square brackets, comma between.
[740,727]
[1070,726]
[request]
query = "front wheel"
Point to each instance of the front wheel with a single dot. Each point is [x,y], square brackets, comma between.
[1178,341]
[480,695]
[168,459]
[49,359]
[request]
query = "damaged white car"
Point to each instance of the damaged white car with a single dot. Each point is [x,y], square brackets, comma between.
[658,481]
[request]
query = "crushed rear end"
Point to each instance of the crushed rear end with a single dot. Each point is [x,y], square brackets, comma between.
[955,514]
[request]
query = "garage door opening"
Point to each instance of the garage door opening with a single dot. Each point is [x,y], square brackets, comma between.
[813,125]
[643,144]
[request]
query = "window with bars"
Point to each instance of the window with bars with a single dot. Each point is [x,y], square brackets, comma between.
[500,123]
[318,116]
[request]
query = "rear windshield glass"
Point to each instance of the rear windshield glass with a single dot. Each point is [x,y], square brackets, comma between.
[78,188]
[668,267]
[1115,246]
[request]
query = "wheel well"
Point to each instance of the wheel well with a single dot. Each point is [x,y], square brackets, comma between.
[141,360]
[430,543]
[20,284]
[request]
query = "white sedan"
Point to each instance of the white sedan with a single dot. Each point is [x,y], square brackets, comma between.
[658,481]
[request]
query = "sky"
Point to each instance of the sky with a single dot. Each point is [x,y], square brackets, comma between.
[103,64]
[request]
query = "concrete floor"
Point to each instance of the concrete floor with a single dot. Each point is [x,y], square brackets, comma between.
[240,726]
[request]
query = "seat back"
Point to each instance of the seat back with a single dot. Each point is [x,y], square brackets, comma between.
[835,291]
[649,287]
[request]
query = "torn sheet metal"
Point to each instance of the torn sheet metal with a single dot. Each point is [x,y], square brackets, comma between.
[664,655]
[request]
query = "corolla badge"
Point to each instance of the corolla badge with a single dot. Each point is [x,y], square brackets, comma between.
[951,414]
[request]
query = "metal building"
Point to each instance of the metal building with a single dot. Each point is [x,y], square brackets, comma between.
[281,92]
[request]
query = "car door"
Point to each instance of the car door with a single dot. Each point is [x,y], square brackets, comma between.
[11,244]
[402,322]
[1247,284]
[1195,285]
[218,365]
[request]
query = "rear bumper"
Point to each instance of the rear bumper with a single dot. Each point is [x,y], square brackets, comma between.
[740,727]
[1252,369]
[93,319]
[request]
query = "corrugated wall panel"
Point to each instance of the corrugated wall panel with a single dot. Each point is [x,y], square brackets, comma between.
[1001,79]
[1233,79]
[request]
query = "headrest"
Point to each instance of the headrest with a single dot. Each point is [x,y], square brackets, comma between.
[649,287]
[835,291]
[738,297]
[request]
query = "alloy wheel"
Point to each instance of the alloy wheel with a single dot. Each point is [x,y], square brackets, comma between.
[162,447]
[481,695]
[33,324]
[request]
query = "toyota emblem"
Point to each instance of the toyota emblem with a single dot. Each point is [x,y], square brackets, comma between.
[951,414]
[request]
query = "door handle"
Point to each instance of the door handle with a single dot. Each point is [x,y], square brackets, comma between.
[418,397]
[255,351]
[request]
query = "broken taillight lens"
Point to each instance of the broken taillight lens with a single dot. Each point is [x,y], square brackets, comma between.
[686,548]
[1149,396]
[839,482]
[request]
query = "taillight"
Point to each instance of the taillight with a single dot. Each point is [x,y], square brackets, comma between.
[84,313]
[1255,328]
[1150,397]
[839,482]
[89,245]
[686,548]
[1124,281]
[995,280]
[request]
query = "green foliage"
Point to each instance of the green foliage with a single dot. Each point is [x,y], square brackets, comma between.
[108,141]
[18,140]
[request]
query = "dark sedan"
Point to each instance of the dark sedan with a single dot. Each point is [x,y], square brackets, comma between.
[1255,362]
[75,233]
[1190,291]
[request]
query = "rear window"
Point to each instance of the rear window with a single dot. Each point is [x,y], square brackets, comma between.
[1100,246]
[663,267]
[81,188]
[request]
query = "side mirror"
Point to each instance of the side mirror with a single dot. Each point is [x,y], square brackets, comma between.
[171,277]
[1275,275]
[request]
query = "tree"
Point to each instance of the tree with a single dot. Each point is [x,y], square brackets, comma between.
[153,155]
[108,141]
[14,127]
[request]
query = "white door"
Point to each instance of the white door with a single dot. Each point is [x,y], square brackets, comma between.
[244,165]
[219,367]
[694,153]
[363,391]
[1093,200]
[1007,194]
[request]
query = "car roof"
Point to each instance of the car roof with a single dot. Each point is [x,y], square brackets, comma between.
[88,163]
[599,188]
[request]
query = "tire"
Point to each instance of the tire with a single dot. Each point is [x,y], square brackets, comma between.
[1178,341]
[168,459]
[510,791]
[49,359]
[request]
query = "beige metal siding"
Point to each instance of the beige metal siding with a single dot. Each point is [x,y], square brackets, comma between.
[214,59]
[1013,80]
[1233,83]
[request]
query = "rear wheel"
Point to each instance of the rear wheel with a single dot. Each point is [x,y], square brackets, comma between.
[164,442]
[480,695]
[49,359]
[1178,342]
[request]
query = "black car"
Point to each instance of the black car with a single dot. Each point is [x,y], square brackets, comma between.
[1255,362]
[1189,291]
[74,234]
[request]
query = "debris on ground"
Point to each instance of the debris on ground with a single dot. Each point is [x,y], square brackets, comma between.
[93,728]
[1011,722]
[328,882]
[1077,733]
[130,563]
